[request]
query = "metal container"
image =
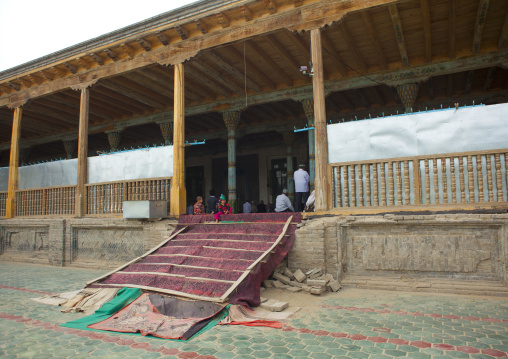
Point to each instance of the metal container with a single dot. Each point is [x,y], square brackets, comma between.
[145,209]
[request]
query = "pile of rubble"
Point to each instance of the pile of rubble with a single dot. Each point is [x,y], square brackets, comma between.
[313,281]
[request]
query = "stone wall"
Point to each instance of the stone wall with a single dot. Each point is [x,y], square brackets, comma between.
[466,246]
[92,242]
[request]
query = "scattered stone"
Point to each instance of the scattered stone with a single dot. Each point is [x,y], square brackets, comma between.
[281,278]
[288,273]
[274,305]
[318,274]
[268,283]
[299,276]
[316,282]
[334,285]
[278,284]
[296,284]
[328,277]
[263,299]
[262,289]
[312,271]
[294,289]
[317,290]
[307,288]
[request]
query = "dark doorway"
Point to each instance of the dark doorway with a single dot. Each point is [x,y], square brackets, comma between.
[194,183]
[247,177]
[278,176]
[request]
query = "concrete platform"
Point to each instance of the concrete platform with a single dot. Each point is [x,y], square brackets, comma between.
[353,323]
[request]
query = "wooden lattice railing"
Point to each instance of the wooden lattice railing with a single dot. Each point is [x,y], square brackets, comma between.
[107,198]
[3,201]
[458,179]
[101,198]
[45,201]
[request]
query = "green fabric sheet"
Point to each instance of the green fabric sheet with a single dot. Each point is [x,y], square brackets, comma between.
[124,297]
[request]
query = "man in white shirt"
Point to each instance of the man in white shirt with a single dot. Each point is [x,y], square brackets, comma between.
[282,202]
[302,180]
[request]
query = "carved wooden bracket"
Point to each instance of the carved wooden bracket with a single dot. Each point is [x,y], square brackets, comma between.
[84,85]
[175,55]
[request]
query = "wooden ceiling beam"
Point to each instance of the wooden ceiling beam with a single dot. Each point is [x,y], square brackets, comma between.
[111,54]
[330,50]
[503,38]
[246,13]
[250,67]
[99,60]
[72,69]
[281,50]
[165,75]
[222,19]
[348,38]
[374,38]
[193,86]
[120,100]
[226,83]
[207,81]
[452,13]
[163,38]
[399,33]
[478,28]
[271,6]
[488,79]
[13,85]
[219,61]
[144,80]
[47,75]
[72,102]
[277,70]
[128,49]
[145,44]
[202,26]
[424,6]
[50,112]
[128,91]
[182,32]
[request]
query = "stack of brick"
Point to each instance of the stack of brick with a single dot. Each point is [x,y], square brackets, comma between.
[313,281]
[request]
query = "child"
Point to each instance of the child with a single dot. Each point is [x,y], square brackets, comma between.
[222,208]
[198,206]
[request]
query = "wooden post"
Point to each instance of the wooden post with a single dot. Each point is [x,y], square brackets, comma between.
[321,140]
[10,210]
[82,153]
[178,195]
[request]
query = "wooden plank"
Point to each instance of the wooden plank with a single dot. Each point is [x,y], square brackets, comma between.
[196,267]
[424,5]
[257,261]
[350,42]
[330,50]
[452,13]
[374,39]
[417,183]
[277,70]
[136,259]
[203,279]
[503,38]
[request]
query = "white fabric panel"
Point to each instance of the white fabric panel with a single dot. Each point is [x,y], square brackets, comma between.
[426,133]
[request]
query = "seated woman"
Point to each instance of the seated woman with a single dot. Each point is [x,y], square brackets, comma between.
[222,208]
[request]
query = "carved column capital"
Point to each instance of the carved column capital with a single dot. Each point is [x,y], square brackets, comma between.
[167,131]
[407,94]
[114,138]
[231,119]
[70,146]
[308,108]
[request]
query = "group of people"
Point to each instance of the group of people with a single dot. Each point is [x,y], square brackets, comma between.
[219,206]
[302,187]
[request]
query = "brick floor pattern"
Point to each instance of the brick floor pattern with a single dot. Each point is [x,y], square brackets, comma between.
[363,324]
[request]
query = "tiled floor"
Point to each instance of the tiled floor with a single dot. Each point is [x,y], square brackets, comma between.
[350,324]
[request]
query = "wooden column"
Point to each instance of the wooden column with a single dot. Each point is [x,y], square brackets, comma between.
[82,153]
[289,139]
[308,107]
[13,165]
[231,119]
[321,141]
[178,195]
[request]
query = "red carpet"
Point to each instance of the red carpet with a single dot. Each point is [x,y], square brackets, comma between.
[215,262]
